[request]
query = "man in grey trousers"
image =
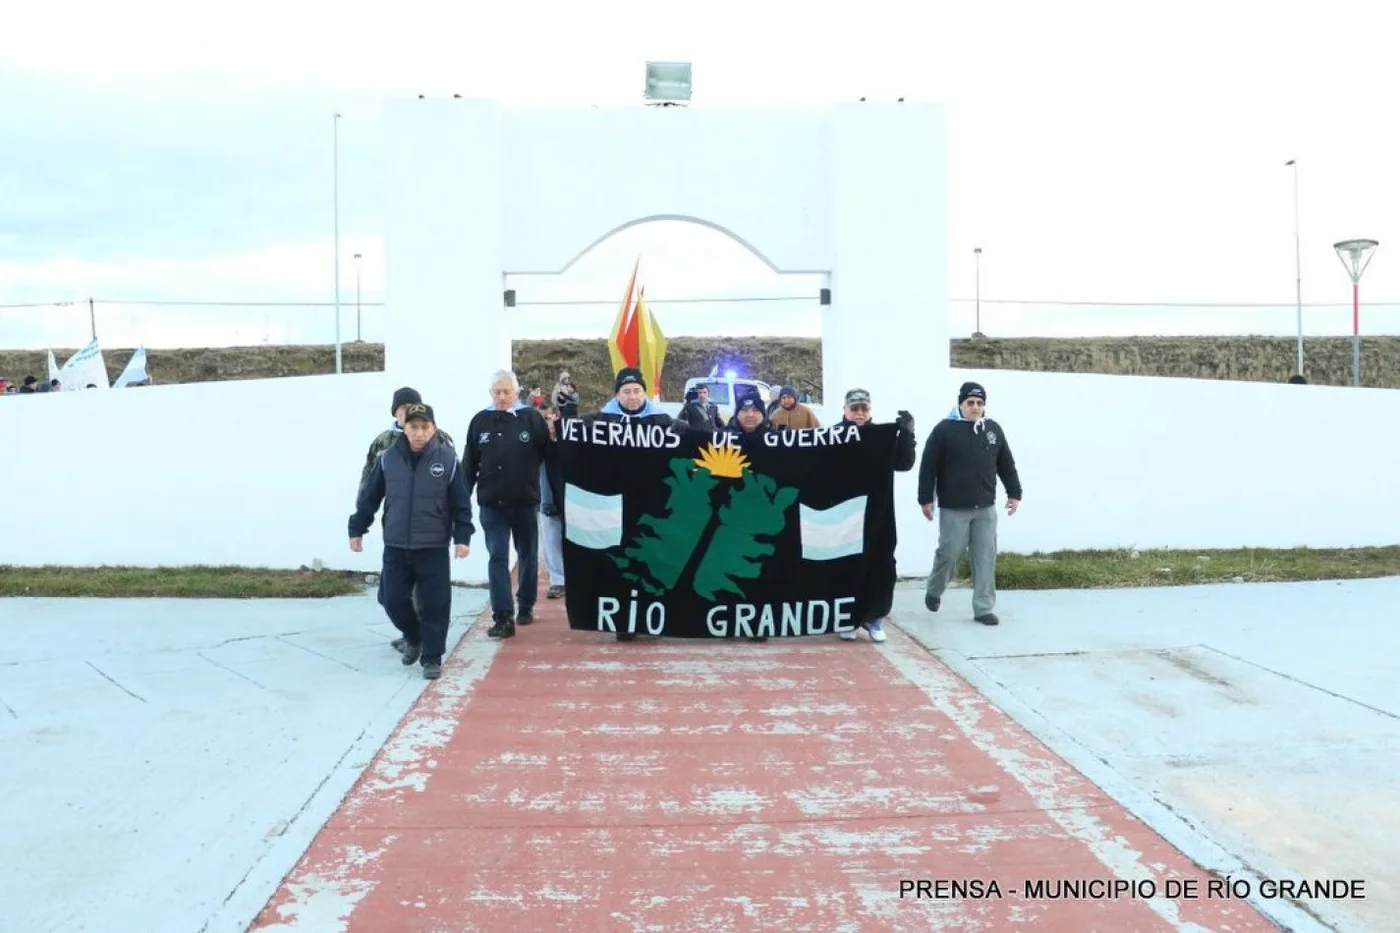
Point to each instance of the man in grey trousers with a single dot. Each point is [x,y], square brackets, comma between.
[963,457]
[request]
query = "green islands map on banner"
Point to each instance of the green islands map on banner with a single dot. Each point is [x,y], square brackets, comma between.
[689,534]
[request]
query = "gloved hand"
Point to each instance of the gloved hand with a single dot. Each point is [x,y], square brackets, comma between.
[904,420]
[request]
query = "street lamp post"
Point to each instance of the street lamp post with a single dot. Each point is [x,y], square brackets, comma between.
[1297,261]
[977,301]
[1355,256]
[335,187]
[358,338]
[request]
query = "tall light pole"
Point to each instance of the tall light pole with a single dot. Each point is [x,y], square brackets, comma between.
[977,301]
[335,185]
[1297,260]
[358,338]
[1355,256]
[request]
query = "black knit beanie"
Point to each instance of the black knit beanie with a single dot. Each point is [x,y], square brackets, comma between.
[405,396]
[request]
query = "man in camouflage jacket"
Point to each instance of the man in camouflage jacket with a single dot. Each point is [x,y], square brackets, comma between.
[402,399]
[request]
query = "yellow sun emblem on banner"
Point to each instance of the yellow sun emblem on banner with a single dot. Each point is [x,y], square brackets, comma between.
[722,461]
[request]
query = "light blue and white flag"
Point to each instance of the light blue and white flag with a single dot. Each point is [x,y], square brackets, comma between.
[835,532]
[591,520]
[135,370]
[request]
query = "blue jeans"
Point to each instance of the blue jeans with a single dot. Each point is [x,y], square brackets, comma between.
[499,525]
[428,571]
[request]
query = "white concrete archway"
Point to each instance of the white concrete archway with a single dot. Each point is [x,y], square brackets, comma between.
[857,191]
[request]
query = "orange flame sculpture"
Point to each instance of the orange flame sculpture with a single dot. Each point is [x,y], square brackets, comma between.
[636,339]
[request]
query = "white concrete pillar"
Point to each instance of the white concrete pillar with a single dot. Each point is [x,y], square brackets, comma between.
[888,324]
[445,319]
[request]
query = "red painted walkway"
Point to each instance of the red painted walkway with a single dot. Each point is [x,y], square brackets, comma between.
[564,781]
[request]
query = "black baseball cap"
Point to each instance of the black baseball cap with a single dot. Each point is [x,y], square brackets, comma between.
[421,412]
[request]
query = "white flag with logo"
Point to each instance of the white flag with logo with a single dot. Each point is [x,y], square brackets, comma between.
[85,368]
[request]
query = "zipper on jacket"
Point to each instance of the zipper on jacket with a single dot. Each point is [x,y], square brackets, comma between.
[412,496]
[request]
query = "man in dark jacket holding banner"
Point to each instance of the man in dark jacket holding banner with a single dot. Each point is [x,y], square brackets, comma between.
[856,411]
[426,508]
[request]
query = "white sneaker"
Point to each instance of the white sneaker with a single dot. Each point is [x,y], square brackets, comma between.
[851,635]
[876,630]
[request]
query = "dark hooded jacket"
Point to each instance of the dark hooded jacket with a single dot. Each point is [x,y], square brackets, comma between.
[962,461]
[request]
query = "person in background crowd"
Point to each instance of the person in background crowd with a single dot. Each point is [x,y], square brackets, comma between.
[749,414]
[536,397]
[792,415]
[28,387]
[856,411]
[55,385]
[506,445]
[383,441]
[45,387]
[566,396]
[964,455]
[426,508]
[552,511]
[699,412]
[774,397]
[1298,379]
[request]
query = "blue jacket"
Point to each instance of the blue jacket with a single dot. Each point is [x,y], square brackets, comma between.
[648,410]
[426,503]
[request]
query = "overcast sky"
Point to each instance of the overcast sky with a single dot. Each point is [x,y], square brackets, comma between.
[1100,152]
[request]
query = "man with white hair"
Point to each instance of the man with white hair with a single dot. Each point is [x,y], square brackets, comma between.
[505,445]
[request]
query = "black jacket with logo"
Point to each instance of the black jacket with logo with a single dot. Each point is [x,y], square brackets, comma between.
[426,504]
[503,453]
[961,463]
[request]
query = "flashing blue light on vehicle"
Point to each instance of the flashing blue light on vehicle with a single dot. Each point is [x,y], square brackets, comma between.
[731,374]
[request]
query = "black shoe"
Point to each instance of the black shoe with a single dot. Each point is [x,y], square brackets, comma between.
[525,616]
[410,653]
[931,603]
[626,636]
[987,618]
[501,628]
[432,670]
[397,644]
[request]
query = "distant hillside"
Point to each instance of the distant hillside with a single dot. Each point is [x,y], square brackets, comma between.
[797,360]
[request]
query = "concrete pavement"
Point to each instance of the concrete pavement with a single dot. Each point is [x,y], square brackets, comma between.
[167,761]
[171,767]
[564,781]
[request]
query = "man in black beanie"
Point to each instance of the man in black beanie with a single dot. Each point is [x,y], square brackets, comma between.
[963,457]
[629,403]
[403,398]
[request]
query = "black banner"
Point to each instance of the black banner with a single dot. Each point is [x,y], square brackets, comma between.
[688,534]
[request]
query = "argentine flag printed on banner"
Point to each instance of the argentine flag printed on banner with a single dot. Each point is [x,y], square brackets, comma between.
[591,520]
[839,531]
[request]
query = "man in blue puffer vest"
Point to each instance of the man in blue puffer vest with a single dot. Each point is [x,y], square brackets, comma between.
[426,508]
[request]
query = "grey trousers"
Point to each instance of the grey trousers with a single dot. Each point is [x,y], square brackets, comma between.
[973,530]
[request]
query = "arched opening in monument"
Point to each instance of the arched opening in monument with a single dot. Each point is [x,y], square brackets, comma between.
[721,305]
